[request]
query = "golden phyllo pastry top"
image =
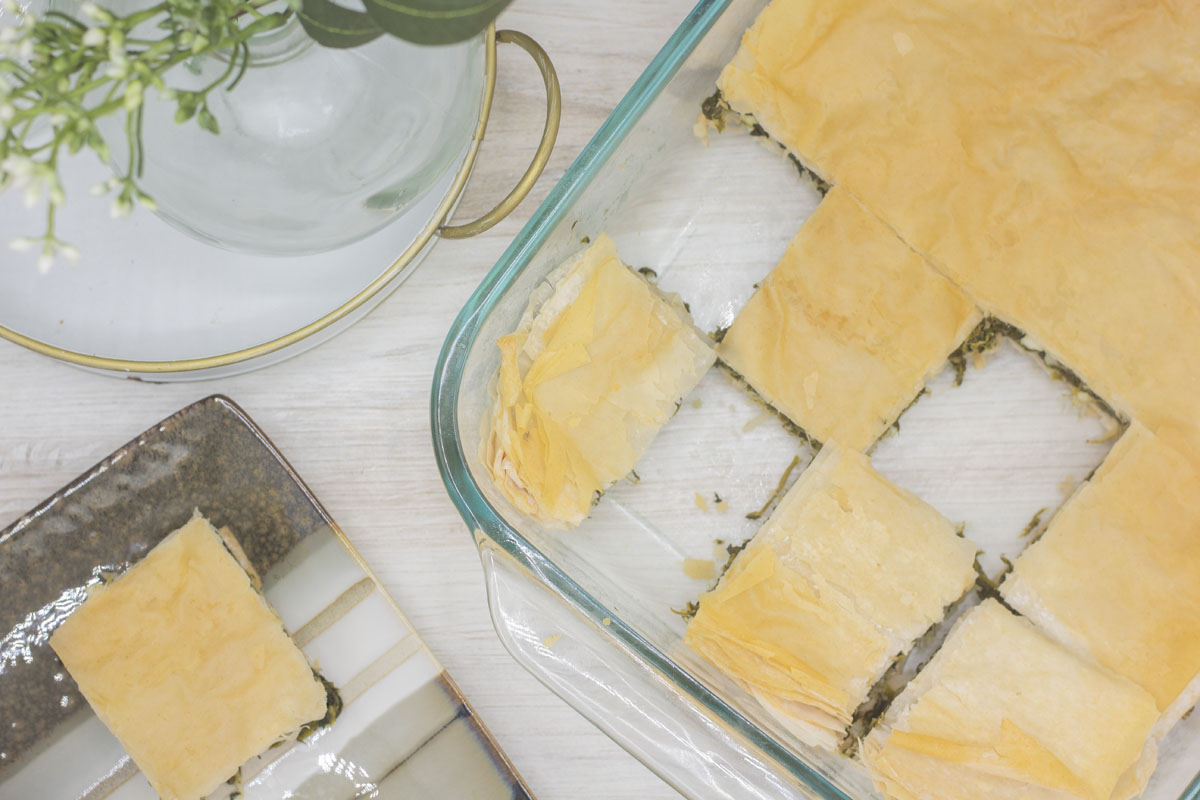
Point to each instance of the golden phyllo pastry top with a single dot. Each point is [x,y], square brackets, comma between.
[188,665]
[599,363]
[1045,157]
[845,575]
[1005,713]
[1117,572]
[845,331]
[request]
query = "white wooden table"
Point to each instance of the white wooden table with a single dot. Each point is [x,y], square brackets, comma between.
[353,414]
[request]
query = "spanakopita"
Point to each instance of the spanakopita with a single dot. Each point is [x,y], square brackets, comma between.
[842,578]
[847,329]
[1006,713]
[599,362]
[188,665]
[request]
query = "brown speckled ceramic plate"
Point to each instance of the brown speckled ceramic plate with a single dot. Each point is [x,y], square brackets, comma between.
[405,731]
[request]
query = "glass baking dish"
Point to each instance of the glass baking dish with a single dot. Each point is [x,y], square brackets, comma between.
[593,612]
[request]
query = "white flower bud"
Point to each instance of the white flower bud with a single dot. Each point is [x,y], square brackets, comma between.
[117,70]
[22,244]
[121,208]
[7,112]
[147,202]
[11,7]
[33,193]
[70,252]
[45,260]
[133,95]
[94,37]
[17,166]
[57,196]
[25,50]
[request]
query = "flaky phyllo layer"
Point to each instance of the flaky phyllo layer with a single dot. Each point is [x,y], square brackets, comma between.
[1045,158]
[1004,712]
[599,362]
[187,664]
[1117,573]
[848,327]
[845,575]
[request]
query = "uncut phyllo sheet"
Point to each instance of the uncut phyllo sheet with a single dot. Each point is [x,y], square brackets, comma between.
[1043,156]
[599,362]
[843,577]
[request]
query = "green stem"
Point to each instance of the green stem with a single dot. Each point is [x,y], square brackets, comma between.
[138,142]
[135,19]
[50,215]
[233,59]
[74,23]
[245,51]
[131,135]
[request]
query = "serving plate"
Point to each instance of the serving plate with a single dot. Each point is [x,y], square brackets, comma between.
[711,215]
[405,730]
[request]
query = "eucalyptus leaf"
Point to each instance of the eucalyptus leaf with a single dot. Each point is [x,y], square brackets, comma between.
[434,21]
[335,26]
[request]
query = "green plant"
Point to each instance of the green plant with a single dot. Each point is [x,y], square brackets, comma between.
[59,75]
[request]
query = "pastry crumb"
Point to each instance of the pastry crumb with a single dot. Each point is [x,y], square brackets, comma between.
[701,502]
[700,568]
[550,641]
[757,420]
[606,621]
[1112,428]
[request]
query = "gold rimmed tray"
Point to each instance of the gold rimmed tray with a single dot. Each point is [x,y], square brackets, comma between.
[149,301]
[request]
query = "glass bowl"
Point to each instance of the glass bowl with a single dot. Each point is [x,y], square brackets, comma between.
[150,301]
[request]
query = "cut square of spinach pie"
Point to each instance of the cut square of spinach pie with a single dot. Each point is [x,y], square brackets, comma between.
[846,330]
[599,362]
[844,576]
[1117,572]
[1005,713]
[1044,156]
[188,665]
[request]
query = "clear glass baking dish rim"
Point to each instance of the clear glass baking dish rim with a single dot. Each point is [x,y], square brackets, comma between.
[498,541]
[493,535]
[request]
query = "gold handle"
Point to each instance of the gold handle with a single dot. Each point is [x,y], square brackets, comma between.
[549,134]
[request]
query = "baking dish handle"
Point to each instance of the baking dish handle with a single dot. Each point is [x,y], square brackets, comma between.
[620,695]
[540,158]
